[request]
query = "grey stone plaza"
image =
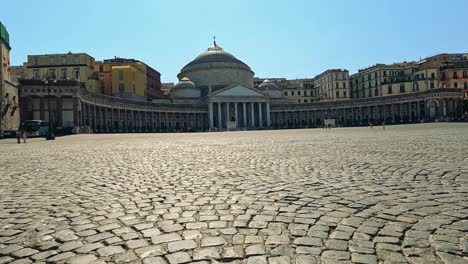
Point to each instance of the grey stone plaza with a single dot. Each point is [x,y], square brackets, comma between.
[345,195]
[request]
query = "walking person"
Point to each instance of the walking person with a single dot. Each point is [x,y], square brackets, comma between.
[383,125]
[18,136]
[23,135]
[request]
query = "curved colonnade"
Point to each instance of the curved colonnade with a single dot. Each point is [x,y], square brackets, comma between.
[104,114]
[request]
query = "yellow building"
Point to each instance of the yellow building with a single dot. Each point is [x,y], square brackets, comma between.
[129,81]
[69,66]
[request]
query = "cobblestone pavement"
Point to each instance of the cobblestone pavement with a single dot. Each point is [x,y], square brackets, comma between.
[349,195]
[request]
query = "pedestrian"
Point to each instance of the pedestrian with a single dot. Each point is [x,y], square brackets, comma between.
[23,135]
[18,136]
[383,125]
[329,126]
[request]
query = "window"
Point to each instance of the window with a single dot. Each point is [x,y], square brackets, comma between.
[432,75]
[36,61]
[455,85]
[76,73]
[402,88]
[415,87]
[52,60]
[76,59]
[292,93]
[344,85]
[36,74]
[121,87]
[465,85]
[384,73]
[376,92]
[389,89]
[465,74]
[337,94]
[432,85]
[133,89]
[344,94]
[101,68]
[64,73]
[455,76]
[121,77]
[305,100]
[64,60]
[298,92]
[52,73]
[337,86]
[285,93]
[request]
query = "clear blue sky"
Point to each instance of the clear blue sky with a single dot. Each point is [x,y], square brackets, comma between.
[292,39]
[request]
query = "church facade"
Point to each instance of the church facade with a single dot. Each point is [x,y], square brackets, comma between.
[216,92]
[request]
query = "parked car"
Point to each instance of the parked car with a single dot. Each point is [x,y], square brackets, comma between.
[9,134]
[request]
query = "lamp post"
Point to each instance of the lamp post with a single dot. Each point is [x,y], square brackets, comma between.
[50,133]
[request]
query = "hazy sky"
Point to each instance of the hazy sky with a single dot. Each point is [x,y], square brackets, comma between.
[291,39]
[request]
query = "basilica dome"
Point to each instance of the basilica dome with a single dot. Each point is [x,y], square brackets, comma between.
[216,68]
[270,88]
[185,89]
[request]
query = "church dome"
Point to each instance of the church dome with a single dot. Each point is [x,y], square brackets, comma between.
[216,54]
[268,85]
[185,89]
[271,89]
[216,68]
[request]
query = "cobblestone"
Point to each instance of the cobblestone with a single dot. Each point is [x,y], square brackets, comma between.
[349,195]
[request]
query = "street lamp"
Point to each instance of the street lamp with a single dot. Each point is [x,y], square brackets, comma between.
[50,133]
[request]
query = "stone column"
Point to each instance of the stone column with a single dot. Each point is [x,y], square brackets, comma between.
[400,107]
[219,116]
[252,114]
[444,107]
[75,112]
[126,120]
[210,114]
[260,117]
[418,109]
[158,121]
[228,118]
[244,115]
[58,110]
[94,118]
[235,114]
[268,121]
[119,121]
[41,108]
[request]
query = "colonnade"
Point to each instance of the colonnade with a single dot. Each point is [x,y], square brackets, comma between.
[238,115]
[75,107]
[402,112]
[112,119]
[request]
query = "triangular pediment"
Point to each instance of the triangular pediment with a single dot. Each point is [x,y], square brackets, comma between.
[237,91]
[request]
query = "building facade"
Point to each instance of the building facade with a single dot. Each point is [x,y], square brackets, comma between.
[332,85]
[9,99]
[152,80]
[129,81]
[217,91]
[66,66]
